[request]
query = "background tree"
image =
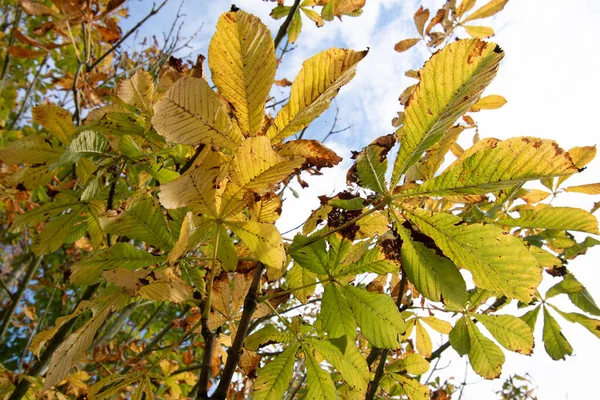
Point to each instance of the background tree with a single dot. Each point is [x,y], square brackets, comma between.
[143,231]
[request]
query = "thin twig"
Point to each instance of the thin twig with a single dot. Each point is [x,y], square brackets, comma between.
[28,93]
[286,24]
[11,39]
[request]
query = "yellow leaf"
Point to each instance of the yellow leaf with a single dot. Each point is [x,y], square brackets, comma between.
[488,10]
[442,97]
[161,285]
[181,245]
[263,240]
[406,44]
[535,196]
[490,102]
[267,209]
[241,58]
[581,157]
[255,168]
[55,120]
[465,6]
[423,342]
[479,32]
[350,6]
[316,85]
[420,18]
[137,91]
[590,188]
[191,113]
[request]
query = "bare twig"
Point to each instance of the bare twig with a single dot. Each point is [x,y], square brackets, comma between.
[11,40]
[28,93]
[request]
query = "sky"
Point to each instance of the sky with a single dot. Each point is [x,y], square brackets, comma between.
[550,78]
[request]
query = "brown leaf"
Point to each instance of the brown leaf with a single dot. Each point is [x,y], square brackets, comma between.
[405,44]
[283,82]
[249,361]
[316,154]
[439,17]
[113,5]
[22,52]
[421,16]
[34,8]
[405,96]
[188,356]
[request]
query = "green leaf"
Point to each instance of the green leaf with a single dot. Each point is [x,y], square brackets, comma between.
[592,325]
[578,294]
[371,165]
[318,82]
[555,343]
[376,315]
[485,356]
[373,261]
[44,212]
[313,257]
[242,62]
[530,317]
[263,240]
[267,334]
[581,248]
[295,27]
[412,388]
[354,370]
[319,384]
[412,363]
[423,340]
[190,112]
[511,332]
[561,218]
[335,314]
[492,164]
[280,12]
[60,229]
[459,336]
[435,277]
[140,219]
[88,143]
[498,261]
[441,98]
[299,277]
[120,255]
[274,378]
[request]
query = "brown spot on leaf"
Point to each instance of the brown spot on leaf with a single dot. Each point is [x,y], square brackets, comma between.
[338,217]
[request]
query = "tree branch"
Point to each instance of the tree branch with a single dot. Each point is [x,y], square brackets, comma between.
[286,24]
[235,351]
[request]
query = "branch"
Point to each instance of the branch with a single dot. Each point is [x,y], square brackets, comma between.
[11,40]
[286,24]
[16,299]
[205,368]
[28,93]
[235,351]
[125,36]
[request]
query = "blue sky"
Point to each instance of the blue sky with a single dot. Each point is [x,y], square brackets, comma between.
[549,77]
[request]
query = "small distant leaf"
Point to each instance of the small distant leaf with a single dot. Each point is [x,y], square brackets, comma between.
[490,102]
[465,6]
[280,12]
[420,18]
[485,356]
[274,378]
[161,285]
[487,10]
[406,44]
[555,343]
[479,32]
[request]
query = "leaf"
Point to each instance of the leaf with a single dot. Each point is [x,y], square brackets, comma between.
[498,261]
[191,113]
[376,315]
[530,317]
[420,18]
[63,228]
[406,44]
[578,294]
[30,150]
[590,188]
[295,27]
[89,271]
[87,144]
[313,257]
[479,32]
[443,327]
[32,7]
[197,187]
[413,389]
[161,285]
[592,325]
[492,165]
[242,62]
[319,384]
[280,12]
[137,91]
[490,102]
[465,6]
[263,240]
[435,277]
[373,260]
[511,332]
[335,315]
[256,168]
[412,363]
[75,345]
[441,98]
[314,152]
[485,356]
[487,10]
[561,218]
[226,252]
[267,334]
[274,378]
[459,336]
[371,165]
[55,120]
[298,277]
[555,343]
[316,85]
[349,362]
[314,16]
[141,219]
